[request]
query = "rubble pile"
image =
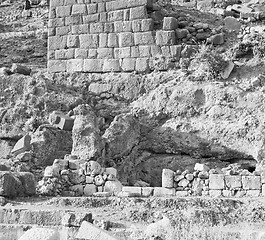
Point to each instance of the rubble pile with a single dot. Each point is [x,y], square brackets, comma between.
[73,177]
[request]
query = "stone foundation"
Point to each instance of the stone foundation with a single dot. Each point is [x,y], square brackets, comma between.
[114,36]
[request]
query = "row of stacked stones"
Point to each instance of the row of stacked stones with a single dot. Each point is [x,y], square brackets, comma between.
[113,36]
[226,182]
[72,177]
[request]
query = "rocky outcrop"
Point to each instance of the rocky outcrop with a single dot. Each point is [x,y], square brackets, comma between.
[86,133]
[49,143]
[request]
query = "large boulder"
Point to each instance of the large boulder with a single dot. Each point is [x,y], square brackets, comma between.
[50,143]
[122,135]
[28,182]
[10,185]
[86,134]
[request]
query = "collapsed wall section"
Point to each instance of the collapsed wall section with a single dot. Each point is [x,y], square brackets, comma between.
[107,36]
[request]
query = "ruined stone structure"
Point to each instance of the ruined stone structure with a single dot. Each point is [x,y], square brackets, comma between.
[108,36]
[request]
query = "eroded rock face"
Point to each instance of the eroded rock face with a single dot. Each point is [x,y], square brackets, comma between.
[86,139]
[49,143]
[122,135]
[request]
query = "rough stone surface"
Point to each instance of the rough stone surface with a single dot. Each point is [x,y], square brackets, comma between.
[49,143]
[40,234]
[167,178]
[89,231]
[86,139]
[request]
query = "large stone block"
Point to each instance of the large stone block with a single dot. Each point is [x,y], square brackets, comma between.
[81,53]
[111,65]
[165,38]
[97,27]
[170,23]
[113,187]
[90,189]
[22,145]
[57,42]
[75,65]
[72,41]
[63,11]
[122,52]
[126,39]
[60,120]
[113,40]
[147,191]
[215,193]
[128,64]
[92,8]
[28,182]
[37,233]
[49,143]
[89,41]
[251,182]
[103,40]
[88,231]
[80,29]
[233,181]
[79,9]
[93,65]
[92,53]
[144,38]
[123,26]
[144,51]
[167,178]
[108,27]
[175,51]
[164,192]
[115,16]
[253,193]
[105,53]
[60,31]
[142,65]
[135,52]
[135,191]
[138,13]
[56,22]
[56,66]
[136,3]
[147,25]
[73,20]
[91,18]
[56,3]
[216,182]
[137,25]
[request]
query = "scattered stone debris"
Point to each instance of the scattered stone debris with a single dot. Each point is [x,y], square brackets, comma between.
[16,68]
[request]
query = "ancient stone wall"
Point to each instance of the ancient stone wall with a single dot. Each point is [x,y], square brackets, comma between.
[109,36]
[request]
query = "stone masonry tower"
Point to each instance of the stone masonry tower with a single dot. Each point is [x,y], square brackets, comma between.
[98,36]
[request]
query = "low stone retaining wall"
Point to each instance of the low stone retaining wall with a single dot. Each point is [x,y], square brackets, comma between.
[214,183]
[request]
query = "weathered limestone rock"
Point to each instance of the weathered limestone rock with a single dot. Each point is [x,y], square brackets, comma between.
[112,171]
[251,182]
[28,182]
[227,71]
[61,163]
[93,168]
[201,167]
[113,187]
[215,193]
[161,192]
[51,171]
[232,24]
[49,143]
[6,147]
[216,181]
[24,157]
[37,233]
[233,182]
[10,185]
[160,230]
[90,189]
[147,191]
[122,135]
[78,189]
[135,191]
[76,177]
[75,219]
[88,231]
[16,68]
[167,178]
[62,121]
[22,145]
[86,139]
